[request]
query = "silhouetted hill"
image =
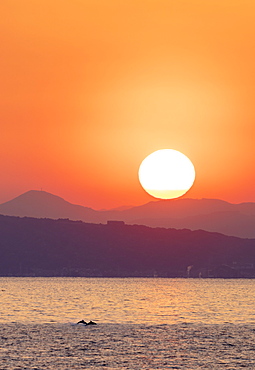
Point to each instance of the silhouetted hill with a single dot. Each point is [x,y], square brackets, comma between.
[41,204]
[207,214]
[228,223]
[46,247]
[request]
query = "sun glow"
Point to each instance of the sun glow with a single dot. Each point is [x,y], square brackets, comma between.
[166,174]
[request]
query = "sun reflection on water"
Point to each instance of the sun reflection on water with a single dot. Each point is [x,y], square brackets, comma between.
[141,300]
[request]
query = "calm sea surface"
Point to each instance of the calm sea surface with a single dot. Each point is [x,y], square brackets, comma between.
[142,323]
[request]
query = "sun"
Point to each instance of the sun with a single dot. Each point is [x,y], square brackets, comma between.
[166,174]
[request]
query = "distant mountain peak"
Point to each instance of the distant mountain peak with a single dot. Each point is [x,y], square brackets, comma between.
[38,194]
[41,204]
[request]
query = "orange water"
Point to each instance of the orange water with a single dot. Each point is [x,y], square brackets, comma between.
[141,300]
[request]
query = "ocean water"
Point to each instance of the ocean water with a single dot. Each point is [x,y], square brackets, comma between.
[141,323]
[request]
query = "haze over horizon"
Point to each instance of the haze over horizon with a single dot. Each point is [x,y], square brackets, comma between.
[88,91]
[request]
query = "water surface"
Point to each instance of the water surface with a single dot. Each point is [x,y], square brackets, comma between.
[142,324]
[153,301]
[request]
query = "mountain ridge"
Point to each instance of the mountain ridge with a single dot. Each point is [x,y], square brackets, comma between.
[208,214]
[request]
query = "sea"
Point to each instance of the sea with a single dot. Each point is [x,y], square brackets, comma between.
[142,323]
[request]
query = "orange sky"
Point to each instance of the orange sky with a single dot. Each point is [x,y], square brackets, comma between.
[90,88]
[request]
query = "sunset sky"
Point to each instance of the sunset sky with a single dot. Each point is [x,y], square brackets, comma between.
[89,88]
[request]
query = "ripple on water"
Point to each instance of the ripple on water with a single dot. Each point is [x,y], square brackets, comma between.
[210,301]
[113,346]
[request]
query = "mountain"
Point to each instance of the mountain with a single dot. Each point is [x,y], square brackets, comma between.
[41,204]
[228,223]
[46,247]
[194,214]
